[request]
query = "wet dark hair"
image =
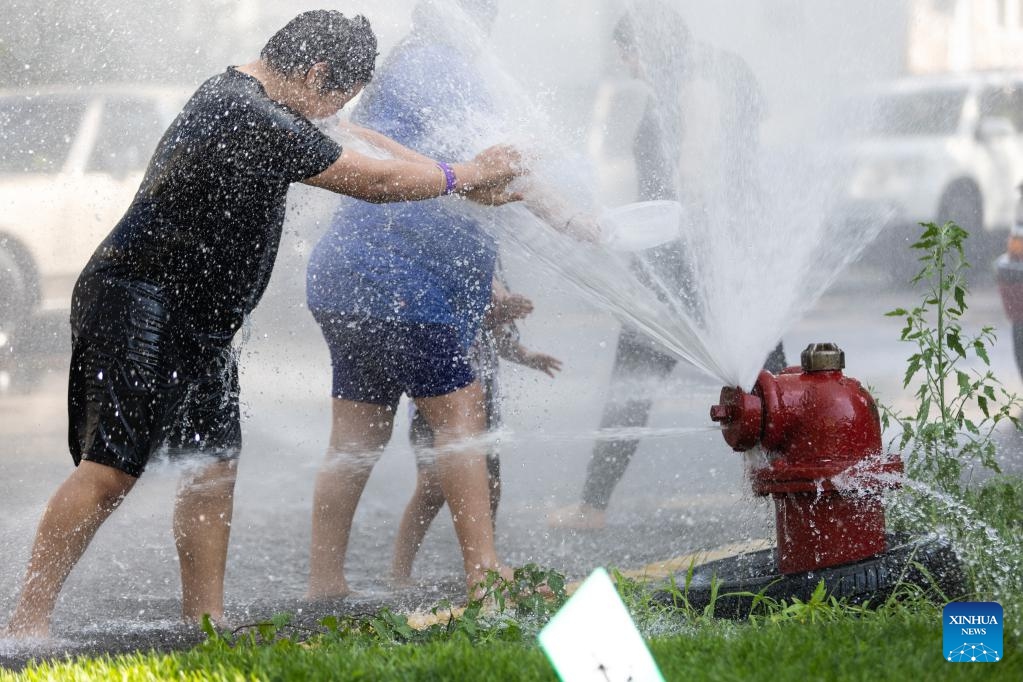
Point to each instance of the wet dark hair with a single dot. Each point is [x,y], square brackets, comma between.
[483,12]
[654,32]
[624,33]
[348,46]
[655,19]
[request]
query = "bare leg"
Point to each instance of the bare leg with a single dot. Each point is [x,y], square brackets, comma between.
[359,433]
[494,476]
[202,527]
[79,507]
[427,499]
[458,421]
[635,363]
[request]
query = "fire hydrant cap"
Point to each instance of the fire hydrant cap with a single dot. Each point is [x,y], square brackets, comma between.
[820,357]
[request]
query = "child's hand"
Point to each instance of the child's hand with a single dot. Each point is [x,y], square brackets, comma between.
[543,363]
[491,196]
[505,309]
[583,227]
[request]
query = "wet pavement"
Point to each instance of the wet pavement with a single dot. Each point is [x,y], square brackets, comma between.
[682,493]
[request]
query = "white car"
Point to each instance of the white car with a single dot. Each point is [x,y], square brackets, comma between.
[71,160]
[938,148]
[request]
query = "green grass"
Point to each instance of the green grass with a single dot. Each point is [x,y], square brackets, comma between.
[818,639]
[894,644]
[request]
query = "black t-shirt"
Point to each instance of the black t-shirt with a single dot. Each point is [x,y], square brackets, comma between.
[655,156]
[206,222]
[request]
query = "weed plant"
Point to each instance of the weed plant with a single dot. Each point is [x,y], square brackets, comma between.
[949,439]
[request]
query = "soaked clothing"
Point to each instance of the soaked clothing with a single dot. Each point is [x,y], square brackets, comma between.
[137,382]
[155,309]
[483,359]
[483,356]
[376,361]
[206,222]
[412,262]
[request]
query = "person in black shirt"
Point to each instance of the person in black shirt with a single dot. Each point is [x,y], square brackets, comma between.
[155,309]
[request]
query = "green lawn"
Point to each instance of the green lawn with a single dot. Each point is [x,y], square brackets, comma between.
[904,644]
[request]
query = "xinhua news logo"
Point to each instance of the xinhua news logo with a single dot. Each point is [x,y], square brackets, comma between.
[972,632]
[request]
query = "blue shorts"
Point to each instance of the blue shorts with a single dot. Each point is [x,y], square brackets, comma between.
[376,361]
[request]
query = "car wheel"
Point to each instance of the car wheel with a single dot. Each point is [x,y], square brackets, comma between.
[16,295]
[1017,344]
[962,204]
[927,562]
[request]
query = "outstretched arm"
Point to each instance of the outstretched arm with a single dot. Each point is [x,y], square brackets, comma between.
[505,307]
[521,355]
[385,144]
[382,181]
[556,212]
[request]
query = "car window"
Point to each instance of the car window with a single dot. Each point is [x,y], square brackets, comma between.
[1016,105]
[128,133]
[929,112]
[1002,102]
[36,132]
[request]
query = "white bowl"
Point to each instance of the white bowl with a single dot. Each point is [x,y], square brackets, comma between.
[642,225]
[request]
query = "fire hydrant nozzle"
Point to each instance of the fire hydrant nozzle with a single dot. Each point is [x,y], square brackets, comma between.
[824,466]
[740,415]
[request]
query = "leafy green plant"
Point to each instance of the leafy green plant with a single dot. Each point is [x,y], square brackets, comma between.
[532,591]
[957,408]
[505,610]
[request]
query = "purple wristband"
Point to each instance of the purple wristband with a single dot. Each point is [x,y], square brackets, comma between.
[449,177]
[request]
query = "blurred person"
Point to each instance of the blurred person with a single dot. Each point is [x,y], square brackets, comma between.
[697,142]
[400,293]
[498,338]
[156,308]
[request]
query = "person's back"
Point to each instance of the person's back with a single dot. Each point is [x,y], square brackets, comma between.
[211,205]
[723,108]
[423,262]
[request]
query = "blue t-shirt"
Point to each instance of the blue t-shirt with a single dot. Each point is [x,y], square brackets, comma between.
[411,261]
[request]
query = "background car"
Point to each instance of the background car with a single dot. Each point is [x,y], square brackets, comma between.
[937,148]
[1009,275]
[71,160]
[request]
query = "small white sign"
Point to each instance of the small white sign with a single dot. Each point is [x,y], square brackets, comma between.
[593,638]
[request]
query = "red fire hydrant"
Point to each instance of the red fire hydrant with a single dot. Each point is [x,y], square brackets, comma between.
[821,435]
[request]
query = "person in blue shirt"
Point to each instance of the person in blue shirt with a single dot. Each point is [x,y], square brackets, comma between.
[399,292]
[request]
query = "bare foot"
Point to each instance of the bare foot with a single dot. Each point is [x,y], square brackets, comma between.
[335,589]
[577,517]
[476,579]
[476,583]
[25,630]
[218,621]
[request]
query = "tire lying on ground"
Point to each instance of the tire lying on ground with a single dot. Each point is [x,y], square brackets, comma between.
[927,562]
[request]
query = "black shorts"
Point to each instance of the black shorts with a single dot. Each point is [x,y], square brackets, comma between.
[141,379]
[376,361]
